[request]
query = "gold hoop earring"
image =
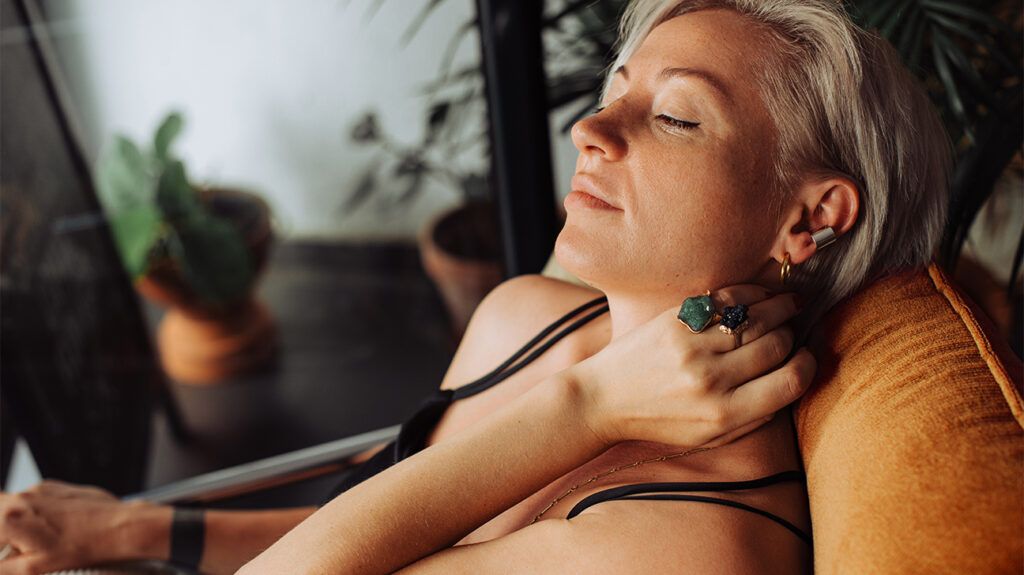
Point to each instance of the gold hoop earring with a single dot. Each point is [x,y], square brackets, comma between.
[786,269]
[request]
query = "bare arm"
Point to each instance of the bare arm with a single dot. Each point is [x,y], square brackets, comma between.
[235,537]
[232,537]
[627,537]
[56,525]
[689,392]
[423,504]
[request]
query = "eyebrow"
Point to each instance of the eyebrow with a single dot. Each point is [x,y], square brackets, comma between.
[682,72]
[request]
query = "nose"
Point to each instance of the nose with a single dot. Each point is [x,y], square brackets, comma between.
[599,135]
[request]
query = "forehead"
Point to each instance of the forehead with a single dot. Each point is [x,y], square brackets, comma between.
[721,42]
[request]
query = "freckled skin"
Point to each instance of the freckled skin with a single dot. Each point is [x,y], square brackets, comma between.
[694,201]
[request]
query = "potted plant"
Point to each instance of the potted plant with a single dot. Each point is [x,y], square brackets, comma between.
[196,251]
[459,248]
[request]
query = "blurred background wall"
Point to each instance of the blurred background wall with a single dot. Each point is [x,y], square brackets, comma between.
[270,91]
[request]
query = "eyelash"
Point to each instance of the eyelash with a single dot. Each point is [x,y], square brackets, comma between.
[680,124]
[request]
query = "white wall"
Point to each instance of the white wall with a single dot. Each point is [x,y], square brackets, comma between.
[270,90]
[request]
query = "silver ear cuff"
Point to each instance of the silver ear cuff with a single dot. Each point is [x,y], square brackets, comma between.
[823,237]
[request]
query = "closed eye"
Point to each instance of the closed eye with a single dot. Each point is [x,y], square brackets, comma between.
[681,124]
[674,122]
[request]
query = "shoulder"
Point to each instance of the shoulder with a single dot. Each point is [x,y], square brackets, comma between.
[529,301]
[510,315]
[627,537]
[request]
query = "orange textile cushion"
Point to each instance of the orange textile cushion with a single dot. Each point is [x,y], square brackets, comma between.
[913,436]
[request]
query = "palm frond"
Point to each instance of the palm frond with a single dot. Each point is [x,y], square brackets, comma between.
[967,13]
[895,18]
[982,41]
[964,68]
[942,69]
[417,22]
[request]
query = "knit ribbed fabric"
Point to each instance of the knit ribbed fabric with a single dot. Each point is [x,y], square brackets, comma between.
[913,436]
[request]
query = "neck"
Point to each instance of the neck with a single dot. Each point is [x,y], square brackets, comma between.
[628,311]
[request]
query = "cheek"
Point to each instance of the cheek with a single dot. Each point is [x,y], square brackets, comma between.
[705,218]
[691,200]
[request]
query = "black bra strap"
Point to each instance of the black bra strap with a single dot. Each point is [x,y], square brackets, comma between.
[728,503]
[504,370]
[644,491]
[614,492]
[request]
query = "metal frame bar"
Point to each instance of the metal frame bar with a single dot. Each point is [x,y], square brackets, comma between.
[270,472]
[513,56]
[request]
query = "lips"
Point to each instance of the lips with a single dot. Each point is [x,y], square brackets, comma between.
[586,190]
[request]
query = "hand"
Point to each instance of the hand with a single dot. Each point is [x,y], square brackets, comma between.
[55,525]
[662,383]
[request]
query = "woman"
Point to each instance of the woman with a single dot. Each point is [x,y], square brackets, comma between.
[731,136]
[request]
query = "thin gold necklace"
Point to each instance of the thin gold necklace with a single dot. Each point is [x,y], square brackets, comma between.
[613,470]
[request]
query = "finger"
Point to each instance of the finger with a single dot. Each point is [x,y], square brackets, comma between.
[752,360]
[769,393]
[14,515]
[747,294]
[23,528]
[29,564]
[763,317]
[50,485]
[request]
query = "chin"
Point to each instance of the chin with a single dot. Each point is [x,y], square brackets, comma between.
[584,256]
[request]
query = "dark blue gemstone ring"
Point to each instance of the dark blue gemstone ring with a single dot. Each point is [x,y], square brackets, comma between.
[734,319]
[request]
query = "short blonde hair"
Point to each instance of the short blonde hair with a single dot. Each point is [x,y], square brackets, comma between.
[843,104]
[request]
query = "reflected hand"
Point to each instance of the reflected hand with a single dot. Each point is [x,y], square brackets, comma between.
[662,383]
[56,525]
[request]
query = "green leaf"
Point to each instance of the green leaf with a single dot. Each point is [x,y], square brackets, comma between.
[418,21]
[964,66]
[165,135]
[966,12]
[874,18]
[861,10]
[916,44]
[910,35]
[453,43]
[571,8]
[902,14]
[135,230]
[435,121]
[952,94]
[363,190]
[175,196]
[213,258]
[123,179]
[959,28]
[463,74]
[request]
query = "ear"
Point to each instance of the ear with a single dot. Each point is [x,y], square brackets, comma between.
[833,202]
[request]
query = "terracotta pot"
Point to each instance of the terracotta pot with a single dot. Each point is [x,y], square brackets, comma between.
[459,250]
[202,344]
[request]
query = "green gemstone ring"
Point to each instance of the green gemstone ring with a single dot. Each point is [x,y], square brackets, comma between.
[697,312]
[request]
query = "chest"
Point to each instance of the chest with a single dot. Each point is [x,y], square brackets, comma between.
[557,499]
[560,496]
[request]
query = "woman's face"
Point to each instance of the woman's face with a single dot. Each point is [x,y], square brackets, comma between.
[681,155]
